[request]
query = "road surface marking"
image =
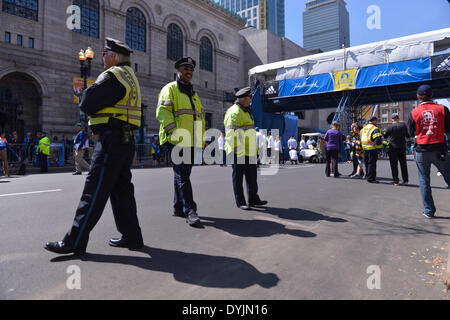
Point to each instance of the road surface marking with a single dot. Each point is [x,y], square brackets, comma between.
[27,193]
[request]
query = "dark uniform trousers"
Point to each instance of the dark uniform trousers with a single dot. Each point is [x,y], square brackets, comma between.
[370,161]
[397,155]
[250,171]
[183,201]
[109,178]
[43,164]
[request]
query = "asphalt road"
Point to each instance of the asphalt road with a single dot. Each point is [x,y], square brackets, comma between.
[319,238]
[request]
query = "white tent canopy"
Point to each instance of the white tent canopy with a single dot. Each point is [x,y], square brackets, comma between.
[393,50]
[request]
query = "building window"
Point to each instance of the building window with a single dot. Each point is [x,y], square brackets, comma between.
[208,120]
[27,9]
[19,40]
[31,43]
[174,42]
[90,13]
[8,37]
[206,54]
[136,33]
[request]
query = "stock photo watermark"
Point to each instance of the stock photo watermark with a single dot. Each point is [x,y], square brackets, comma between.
[74,280]
[374,280]
[74,19]
[374,20]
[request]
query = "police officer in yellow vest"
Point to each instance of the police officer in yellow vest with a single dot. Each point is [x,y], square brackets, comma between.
[180,114]
[241,147]
[113,105]
[372,143]
[43,151]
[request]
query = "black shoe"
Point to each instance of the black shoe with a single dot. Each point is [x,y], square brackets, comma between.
[258,203]
[375,181]
[61,248]
[244,207]
[76,174]
[193,219]
[122,243]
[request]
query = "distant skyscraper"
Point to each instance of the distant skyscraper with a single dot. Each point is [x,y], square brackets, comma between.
[262,14]
[326,25]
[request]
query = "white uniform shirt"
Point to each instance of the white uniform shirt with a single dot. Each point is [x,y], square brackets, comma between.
[270,142]
[293,155]
[292,143]
[303,144]
[278,146]
[221,142]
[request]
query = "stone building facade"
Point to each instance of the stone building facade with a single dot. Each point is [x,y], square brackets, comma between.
[39,55]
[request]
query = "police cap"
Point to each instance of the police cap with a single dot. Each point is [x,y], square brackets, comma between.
[186,61]
[373,119]
[117,46]
[245,92]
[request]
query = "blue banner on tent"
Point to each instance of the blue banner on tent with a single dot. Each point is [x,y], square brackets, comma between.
[307,85]
[394,73]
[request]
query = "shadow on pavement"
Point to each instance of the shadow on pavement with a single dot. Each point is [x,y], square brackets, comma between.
[193,268]
[299,214]
[253,228]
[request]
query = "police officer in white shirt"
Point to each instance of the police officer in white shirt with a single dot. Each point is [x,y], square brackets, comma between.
[303,144]
[292,143]
[221,142]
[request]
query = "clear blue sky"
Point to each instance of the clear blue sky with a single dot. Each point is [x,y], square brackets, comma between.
[398,18]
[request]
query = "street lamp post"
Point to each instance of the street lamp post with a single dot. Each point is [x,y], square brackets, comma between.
[85,70]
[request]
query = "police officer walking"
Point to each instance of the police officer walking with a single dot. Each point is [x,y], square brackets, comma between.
[113,105]
[241,145]
[372,142]
[179,107]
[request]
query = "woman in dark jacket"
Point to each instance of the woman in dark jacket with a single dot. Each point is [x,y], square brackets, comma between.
[334,139]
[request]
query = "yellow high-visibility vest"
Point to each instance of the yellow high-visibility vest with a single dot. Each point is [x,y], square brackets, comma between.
[367,140]
[129,108]
[175,112]
[240,132]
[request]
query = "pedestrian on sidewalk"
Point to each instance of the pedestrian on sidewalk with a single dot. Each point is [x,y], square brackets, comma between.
[357,151]
[80,144]
[334,139]
[429,123]
[396,135]
[4,147]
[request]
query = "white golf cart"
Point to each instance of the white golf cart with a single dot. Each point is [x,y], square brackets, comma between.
[316,152]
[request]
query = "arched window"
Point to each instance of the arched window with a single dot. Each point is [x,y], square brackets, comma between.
[174,42]
[136,33]
[28,9]
[90,13]
[206,54]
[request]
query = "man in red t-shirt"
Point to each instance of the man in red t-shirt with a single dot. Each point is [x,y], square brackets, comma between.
[429,123]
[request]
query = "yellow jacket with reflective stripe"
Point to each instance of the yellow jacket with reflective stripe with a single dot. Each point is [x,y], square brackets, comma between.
[44,146]
[178,119]
[368,137]
[129,108]
[240,132]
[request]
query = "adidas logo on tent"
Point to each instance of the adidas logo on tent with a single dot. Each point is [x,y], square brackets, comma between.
[271,90]
[444,66]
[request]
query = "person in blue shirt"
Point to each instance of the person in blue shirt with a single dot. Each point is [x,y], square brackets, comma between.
[80,143]
[4,146]
[156,152]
